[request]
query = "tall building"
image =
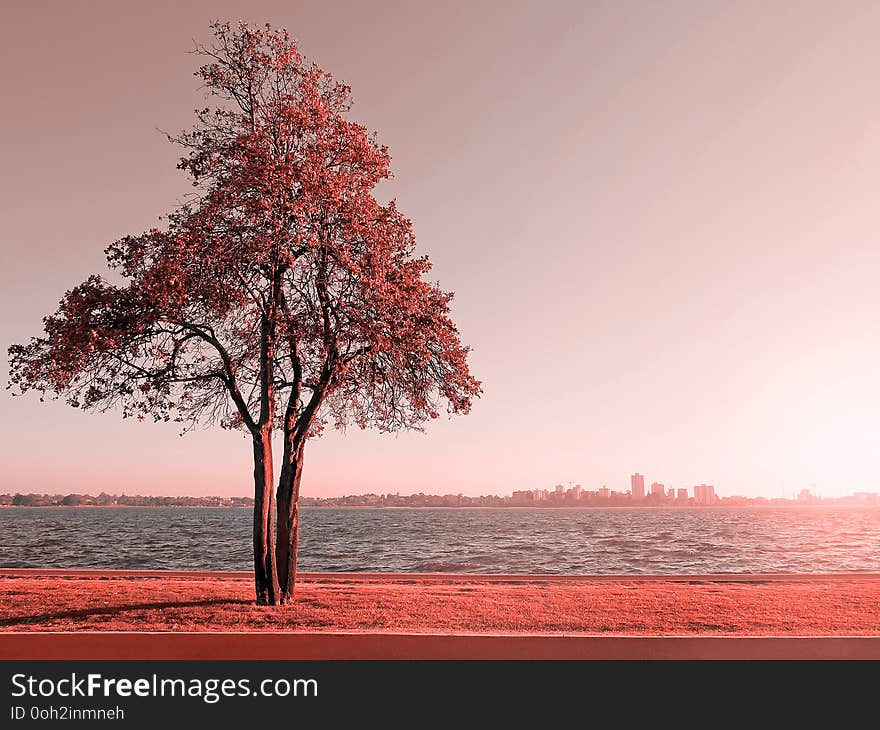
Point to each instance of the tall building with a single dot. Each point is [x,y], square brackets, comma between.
[704,494]
[638,486]
[522,497]
[658,490]
[682,494]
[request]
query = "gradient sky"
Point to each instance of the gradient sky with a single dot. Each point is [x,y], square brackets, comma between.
[660,221]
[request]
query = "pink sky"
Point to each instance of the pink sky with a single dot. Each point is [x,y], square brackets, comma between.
[660,220]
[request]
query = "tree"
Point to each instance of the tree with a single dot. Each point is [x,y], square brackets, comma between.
[282,298]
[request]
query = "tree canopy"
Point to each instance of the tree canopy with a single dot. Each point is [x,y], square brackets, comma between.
[281,297]
[282,291]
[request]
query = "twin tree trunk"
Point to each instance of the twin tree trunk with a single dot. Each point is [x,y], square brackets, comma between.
[276,521]
[287,535]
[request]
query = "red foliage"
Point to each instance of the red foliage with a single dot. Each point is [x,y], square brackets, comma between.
[285,228]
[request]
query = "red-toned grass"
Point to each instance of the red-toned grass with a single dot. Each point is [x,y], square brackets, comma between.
[626,606]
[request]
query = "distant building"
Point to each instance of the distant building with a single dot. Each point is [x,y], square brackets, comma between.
[658,490]
[638,486]
[704,494]
[604,493]
[863,498]
[682,493]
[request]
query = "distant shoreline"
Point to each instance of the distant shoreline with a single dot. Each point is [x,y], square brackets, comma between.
[549,507]
[540,499]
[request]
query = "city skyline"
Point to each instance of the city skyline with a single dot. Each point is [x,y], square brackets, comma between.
[705,494]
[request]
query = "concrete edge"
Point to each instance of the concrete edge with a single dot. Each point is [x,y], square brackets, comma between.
[356,646]
[364,577]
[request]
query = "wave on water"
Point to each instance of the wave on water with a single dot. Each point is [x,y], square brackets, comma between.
[442,567]
[609,541]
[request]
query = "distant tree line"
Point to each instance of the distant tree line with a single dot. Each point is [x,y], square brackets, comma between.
[112,500]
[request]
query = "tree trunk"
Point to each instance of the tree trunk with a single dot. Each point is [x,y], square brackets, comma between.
[265,569]
[287,542]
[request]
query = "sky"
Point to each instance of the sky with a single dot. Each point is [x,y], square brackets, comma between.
[660,221]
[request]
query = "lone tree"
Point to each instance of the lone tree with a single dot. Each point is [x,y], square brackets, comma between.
[282,298]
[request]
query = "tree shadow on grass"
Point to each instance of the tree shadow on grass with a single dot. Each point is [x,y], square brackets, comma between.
[116,610]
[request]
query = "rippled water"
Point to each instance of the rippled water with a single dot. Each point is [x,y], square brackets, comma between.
[482,540]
